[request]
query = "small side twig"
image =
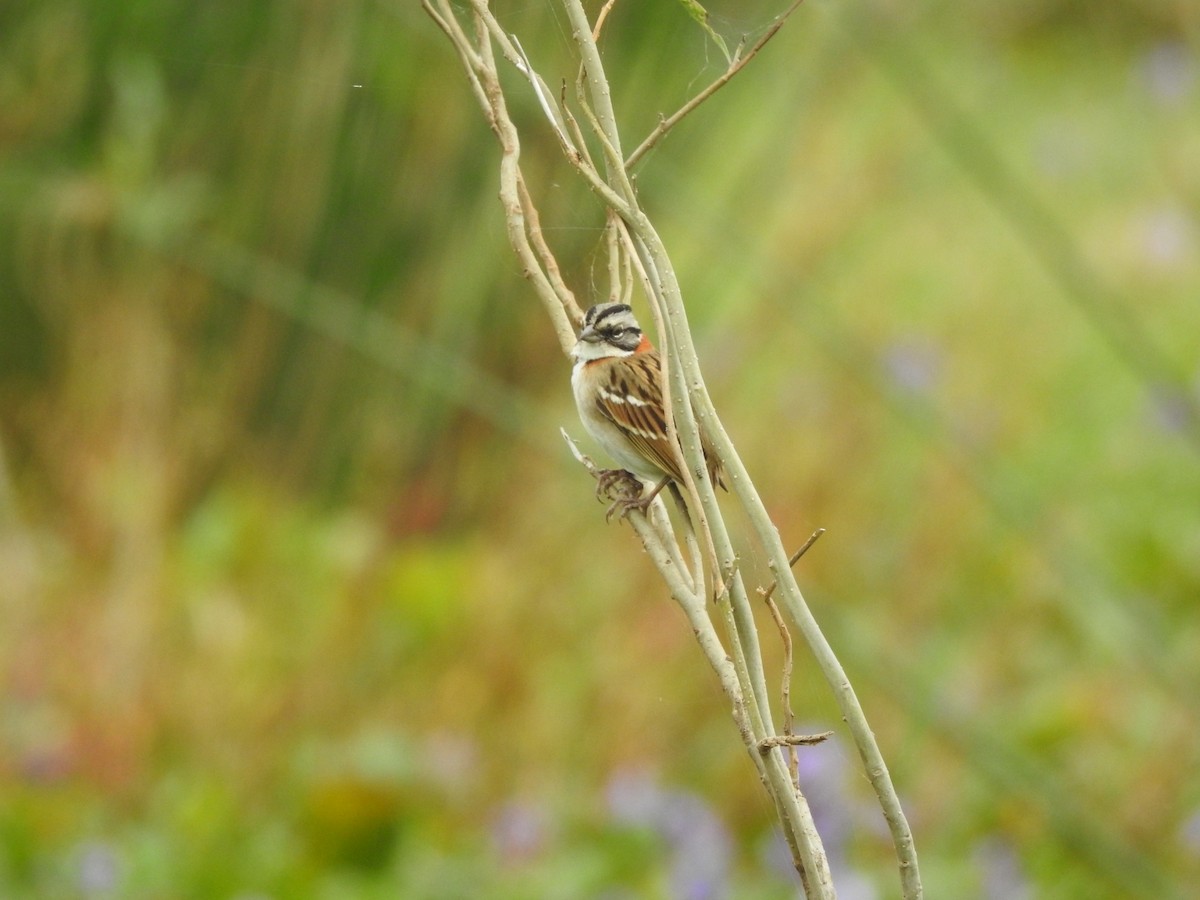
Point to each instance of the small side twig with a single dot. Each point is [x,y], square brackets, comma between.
[795,558]
[666,124]
[600,17]
[792,740]
[785,691]
[739,669]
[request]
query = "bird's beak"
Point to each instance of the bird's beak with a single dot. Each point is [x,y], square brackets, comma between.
[590,335]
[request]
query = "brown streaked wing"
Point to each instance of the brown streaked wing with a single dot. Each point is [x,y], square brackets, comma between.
[642,424]
[649,375]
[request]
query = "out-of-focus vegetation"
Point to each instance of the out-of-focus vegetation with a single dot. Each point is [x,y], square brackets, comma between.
[302,596]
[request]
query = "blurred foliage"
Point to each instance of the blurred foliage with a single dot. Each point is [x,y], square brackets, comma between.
[301,596]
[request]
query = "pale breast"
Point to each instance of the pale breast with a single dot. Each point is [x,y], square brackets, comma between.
[585,381]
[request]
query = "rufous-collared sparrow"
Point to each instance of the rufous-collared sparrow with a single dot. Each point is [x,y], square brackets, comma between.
[617,379]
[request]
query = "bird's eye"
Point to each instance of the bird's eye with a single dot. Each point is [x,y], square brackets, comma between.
[617,332]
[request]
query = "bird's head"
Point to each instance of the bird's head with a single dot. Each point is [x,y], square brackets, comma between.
[609,329]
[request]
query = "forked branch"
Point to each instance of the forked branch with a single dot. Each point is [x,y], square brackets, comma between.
[738,63]
[706,550]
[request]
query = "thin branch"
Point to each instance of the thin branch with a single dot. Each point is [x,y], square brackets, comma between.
[698,518]
[616,264]
[692,601]
[810,858]
[793,601]
[614,166]
[680,376]
[785,690]
[446,21]
[598,88]
[565,295]
[577,156]
[576,131]
[795,558]
[525,67]
[793,740]
[538,263]
[600,17]
[685,381]
[739,62]
[691,412]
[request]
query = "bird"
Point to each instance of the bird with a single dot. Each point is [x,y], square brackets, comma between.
[617,382]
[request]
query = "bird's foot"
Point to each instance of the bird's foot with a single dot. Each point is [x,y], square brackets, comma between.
[623,489]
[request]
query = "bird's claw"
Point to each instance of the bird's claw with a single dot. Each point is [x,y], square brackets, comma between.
[623,489]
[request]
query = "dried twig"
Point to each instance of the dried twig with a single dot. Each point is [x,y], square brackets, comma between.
[793,740]
[795,558]
[691,411]
[785,692]
[739,62]
[600,17]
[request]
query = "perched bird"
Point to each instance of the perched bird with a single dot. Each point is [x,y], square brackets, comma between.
[617,379]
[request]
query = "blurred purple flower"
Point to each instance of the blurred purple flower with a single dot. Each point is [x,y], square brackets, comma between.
[700,846]
[519,831]
[850,883]
[913,365]
[827,777]
[1167,237]
[1001,872]
[774,855]
[1168,73]
[1170,409]
[634,798]
[824,781]
[98,869]
[1189,833]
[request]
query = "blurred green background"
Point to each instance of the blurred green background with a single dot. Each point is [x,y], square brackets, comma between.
[302,596]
